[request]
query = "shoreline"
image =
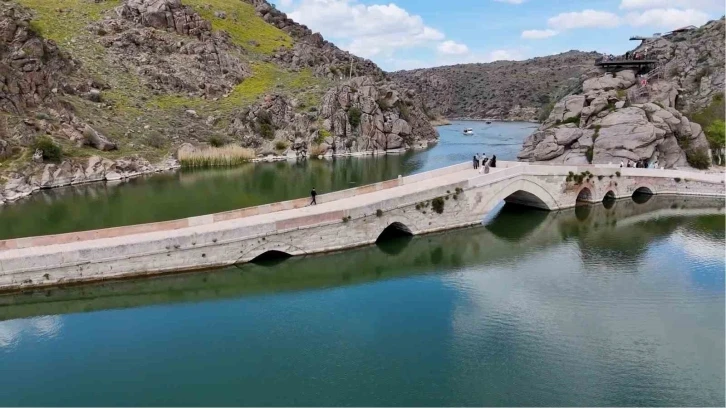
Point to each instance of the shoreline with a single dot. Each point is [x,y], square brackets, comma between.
[30,186]
[492,120]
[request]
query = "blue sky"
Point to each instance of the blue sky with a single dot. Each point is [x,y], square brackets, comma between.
[406,34]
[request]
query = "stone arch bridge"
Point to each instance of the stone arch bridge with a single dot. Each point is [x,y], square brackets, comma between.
[447,198]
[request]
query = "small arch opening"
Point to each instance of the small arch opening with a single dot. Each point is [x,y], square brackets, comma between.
[643,190]
[642,195]
[525,198]
[394,231]
[270,258]
[394,238]
[584,196]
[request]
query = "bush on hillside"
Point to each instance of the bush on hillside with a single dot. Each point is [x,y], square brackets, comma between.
[52,152]
[217,141]
[698,159]
[354,117]
[545,111]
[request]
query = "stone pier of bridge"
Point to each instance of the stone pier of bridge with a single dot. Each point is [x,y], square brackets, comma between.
[447,198]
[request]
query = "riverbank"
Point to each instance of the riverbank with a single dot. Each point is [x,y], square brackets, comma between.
[98,170]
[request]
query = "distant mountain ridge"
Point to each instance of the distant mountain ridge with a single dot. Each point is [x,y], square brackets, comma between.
[507,90]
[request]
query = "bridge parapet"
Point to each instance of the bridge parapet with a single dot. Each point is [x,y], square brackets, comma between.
[343,219]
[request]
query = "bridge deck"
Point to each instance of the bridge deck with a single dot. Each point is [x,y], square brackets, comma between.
[343,219]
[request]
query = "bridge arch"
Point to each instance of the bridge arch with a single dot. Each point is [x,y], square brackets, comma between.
[643,193]
[584,195]
[524,192]
[644,189]
[271,257]
[394,230]
[610,195]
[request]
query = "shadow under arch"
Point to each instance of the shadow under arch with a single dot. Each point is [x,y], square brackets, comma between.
[394,238]
[271,258]
[584,196]
[642,195]
[509,224]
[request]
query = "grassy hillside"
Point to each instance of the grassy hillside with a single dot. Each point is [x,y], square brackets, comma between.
[150,122]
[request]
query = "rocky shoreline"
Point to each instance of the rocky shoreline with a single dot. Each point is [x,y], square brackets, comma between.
[104,170]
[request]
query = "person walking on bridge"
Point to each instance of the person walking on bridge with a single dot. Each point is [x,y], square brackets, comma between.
[476,161]
[313,194]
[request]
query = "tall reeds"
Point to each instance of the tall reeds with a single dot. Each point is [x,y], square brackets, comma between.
[230,155]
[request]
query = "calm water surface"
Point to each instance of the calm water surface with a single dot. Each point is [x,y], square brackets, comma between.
[617,305]
[182,194]
[594,306]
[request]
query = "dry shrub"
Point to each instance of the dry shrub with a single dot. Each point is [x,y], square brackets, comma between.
[230,155]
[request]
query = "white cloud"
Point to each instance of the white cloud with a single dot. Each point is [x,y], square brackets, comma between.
[452,48]
[667,18]
[584,19]
[538,34]
[504,55]
[650,4]
[370,30]
[511,1]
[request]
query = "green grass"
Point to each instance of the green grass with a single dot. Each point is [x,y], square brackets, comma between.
[133,103]
[62,26]
[243,25]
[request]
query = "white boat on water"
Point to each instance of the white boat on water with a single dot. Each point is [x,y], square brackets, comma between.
[468,131]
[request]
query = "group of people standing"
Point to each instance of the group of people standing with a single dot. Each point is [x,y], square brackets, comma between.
[641,164]
[483,163]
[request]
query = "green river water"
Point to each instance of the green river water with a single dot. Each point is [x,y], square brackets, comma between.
[604,305]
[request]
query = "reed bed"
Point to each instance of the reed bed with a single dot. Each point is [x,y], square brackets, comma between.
[230,155]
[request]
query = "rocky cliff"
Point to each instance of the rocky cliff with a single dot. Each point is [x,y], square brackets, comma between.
[509,90]
[107,89]
[628,115]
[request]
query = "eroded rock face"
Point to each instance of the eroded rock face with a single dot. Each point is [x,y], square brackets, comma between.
[166,14]
[355,117]
[204,63]
[30,67]
[631,120]
[613,132]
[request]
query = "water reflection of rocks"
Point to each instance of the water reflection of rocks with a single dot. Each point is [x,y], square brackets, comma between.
[621,231]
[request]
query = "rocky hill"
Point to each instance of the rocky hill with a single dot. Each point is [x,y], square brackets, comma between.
[106,89]
[658,114]
[510,90]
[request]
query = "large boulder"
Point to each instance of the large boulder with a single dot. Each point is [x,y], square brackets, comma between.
[97,140]
[625,134]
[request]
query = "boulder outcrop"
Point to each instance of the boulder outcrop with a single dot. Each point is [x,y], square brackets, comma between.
[633,116]
[358,116]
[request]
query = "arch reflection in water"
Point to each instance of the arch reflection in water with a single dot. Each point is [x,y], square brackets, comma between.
[516,222]
[609,200]
[628,226]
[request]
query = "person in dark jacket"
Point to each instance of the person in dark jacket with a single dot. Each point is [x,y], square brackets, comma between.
[493,161]
[313,194]
[476,162]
